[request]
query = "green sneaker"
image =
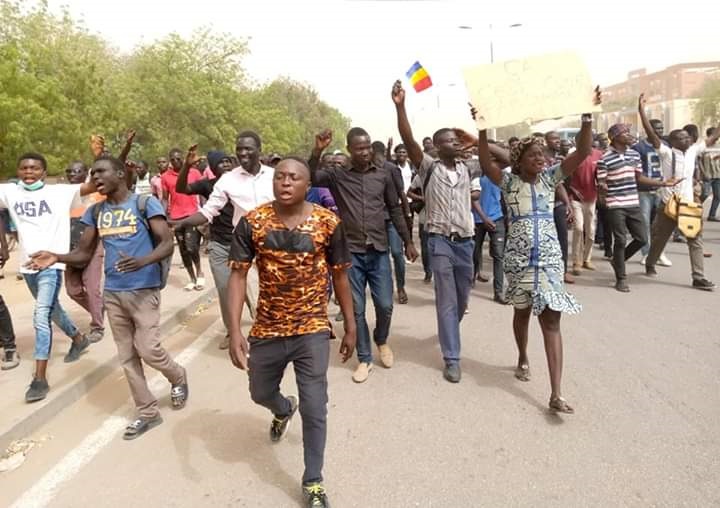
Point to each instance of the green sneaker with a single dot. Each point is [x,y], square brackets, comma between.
[315,496]
[280,424]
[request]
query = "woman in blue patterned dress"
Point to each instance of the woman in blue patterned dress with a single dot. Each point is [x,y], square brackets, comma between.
[533,262]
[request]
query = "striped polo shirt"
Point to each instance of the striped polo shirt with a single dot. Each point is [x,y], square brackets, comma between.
[618,170]
[447,196]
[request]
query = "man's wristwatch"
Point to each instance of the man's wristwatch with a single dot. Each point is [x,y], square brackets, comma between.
[586,118]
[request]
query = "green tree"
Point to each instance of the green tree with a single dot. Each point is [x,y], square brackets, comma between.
[59,84]
[707,109]
[52,86]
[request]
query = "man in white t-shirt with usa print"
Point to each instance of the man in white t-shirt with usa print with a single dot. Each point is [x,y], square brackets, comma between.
[41,213]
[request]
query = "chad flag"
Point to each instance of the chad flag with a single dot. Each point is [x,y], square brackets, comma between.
[419,78]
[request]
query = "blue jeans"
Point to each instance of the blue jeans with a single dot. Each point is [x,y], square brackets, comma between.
[452,266]
[371,268]
[397,253]
[497,252]
[649,202]
[715,184]
[45,287]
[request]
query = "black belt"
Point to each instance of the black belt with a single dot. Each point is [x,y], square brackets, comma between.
[453,237]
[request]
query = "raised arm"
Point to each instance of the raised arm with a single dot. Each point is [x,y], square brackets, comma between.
[414,150]
[128,145]
[583,148]
[388,149]
[490,169]
[182,182]
[652,136]
[319,177]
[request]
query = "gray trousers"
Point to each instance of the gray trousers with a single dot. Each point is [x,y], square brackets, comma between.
[134,318]
[218,254]
[310,355]
[662,227]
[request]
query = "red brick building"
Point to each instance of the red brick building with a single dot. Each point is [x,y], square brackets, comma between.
[681,81]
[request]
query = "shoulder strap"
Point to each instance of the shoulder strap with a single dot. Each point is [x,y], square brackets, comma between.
[142,204]
[142,208]
[96,212]
[673,162]
[427,177]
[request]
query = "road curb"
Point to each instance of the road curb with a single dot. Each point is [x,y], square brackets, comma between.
[82,385]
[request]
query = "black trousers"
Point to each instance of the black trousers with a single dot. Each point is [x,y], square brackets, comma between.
[309,355]
[623,221]
[7,334]
[604,230]
[188,240]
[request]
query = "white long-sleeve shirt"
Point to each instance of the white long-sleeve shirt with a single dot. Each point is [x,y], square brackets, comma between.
[244,190]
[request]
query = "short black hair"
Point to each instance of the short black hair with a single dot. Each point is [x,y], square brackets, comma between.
[675,133]
[143,162]
[116,163]
[84,166]
[173,150]
[251,134]
[692,129]
[400,147]
[710,131]
[548,133]
[427,138]
[34,156]
[513,139]
[326,155]
[355,132]
[439,133]
[378,147]
[656,121]
[299,160]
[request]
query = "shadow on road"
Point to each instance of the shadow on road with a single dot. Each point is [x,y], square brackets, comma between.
[232,438]
[424,352]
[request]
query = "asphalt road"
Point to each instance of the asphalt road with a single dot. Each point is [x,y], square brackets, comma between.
[641,370]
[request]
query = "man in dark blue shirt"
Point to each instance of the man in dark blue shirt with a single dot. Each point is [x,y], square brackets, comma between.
[649,200]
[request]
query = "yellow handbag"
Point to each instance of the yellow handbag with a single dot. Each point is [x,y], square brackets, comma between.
[687,215]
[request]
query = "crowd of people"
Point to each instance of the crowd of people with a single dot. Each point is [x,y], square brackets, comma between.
[286,235]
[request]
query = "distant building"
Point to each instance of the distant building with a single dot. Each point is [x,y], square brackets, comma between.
[670,93]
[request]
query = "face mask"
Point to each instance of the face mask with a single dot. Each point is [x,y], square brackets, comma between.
[39,184]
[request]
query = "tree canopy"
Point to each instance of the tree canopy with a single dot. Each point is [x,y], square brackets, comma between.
[60,83]
[707,109]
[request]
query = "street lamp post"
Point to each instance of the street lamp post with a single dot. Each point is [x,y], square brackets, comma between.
[492,52]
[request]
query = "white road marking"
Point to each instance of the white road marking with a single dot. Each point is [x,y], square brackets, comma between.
[44,490]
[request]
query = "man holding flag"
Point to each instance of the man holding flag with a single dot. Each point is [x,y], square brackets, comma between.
[446,182]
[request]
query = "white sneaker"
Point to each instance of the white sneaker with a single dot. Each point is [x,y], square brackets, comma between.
[642,260]
[663,260]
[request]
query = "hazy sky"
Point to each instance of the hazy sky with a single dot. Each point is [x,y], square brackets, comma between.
[351,51]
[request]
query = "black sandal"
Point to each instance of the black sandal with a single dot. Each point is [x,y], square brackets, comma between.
[140,427]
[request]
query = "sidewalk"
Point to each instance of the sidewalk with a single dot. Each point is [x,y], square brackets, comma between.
[69,382]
